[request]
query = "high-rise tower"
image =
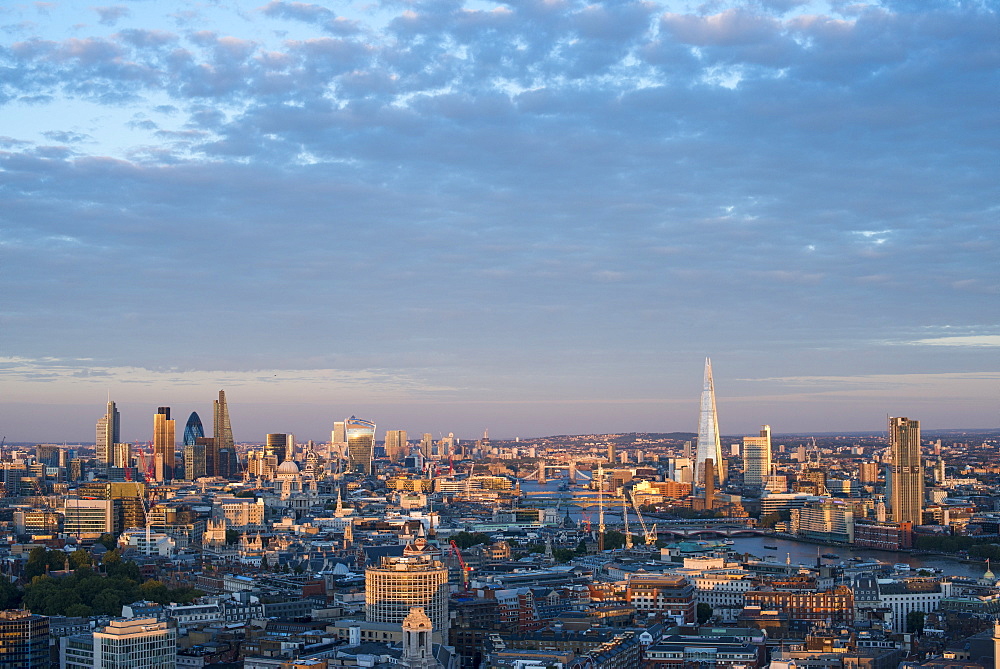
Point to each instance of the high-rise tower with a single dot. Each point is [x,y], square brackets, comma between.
[193,430]
[395,445]
[164,445]
[757,457]
[108,434]
[360,444]
[709,444]
[222,434]
[907,471]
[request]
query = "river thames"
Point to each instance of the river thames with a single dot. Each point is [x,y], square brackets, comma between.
[798,552]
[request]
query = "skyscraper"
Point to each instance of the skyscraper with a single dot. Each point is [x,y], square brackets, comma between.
[222,434]
[907,471]
[757,457]
[709,445]
[108,434]
[164,444]
[193,430]
[395,445]
[360,444]
[280,446]
[339,435]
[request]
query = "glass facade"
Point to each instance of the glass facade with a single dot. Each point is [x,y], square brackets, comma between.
[360,444]
[24,640]
[193,429]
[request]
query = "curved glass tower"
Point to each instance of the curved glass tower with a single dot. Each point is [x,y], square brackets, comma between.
[360,444]
[193,430]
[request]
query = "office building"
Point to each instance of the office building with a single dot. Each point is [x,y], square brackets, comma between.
[24,640]
[360,445]
[906,471]
[398,584]
[222,436]
[134,643]
[757,458]
[108,434]
[280,446]
[395,445]
[164,445]
[193,429]
[427,444]
[126,497]
[709,443]
[339,434]
[88,517]
[195,466]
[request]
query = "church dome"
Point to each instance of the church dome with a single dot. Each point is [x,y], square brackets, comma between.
[288,468]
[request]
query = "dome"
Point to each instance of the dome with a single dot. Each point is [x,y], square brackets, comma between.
[288,468]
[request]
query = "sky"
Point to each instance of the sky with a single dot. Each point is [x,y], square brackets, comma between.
[535,216]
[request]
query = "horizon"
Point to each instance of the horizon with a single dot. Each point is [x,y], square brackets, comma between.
[535,217]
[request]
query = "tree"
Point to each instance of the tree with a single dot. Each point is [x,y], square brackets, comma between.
[704,613]
[10,595]
[80,558]
[108,541]
[465,539]
[915,622]
[769,519]
[613,539]
[581,548]
[563,554]
[232,536]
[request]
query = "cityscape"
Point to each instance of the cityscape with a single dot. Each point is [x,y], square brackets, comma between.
[617,550]
[499,334]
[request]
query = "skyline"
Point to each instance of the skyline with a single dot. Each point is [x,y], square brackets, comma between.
[536,216]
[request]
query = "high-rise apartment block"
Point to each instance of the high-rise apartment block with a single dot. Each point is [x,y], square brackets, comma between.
[709,443]
[906,470]
[757,457]
[164,445]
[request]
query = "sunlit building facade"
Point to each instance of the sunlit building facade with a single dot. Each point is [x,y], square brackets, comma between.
[164,445]
[906,471]
[360,445]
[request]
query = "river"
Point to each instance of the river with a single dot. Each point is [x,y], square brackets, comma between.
[798,552]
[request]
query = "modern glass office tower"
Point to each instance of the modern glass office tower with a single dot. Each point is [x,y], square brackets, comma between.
[108,434]
[907,471]
[164,445]
[222,435]
[193,429]
[709,444]
[360,444]
[395,445]
[757,457]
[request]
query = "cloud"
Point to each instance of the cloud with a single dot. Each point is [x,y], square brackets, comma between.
[490,192]
[976,341]
[111,15]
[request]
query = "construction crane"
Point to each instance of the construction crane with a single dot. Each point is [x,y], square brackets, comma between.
[649,535]
[628,534]
[461,562]
[601,527]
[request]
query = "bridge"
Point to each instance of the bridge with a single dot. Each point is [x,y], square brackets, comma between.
[545,471]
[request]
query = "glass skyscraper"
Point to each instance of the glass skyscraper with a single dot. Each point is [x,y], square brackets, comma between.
[193,429]
[360,444]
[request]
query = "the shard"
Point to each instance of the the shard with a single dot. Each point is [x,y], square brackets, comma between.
[709,444]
